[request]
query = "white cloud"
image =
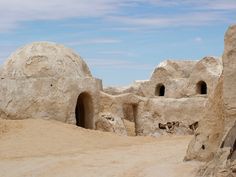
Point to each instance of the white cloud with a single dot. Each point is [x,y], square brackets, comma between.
[187,19]
[13,12]
[198,4]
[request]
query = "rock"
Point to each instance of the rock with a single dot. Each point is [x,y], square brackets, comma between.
[230,142]
[208,136]
[229,74]
[110,123]
[218,167]
[217,130]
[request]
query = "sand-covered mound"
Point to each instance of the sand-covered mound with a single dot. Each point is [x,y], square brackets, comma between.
[41,148]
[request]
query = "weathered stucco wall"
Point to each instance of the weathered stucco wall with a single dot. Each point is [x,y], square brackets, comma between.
[180,78]
[44,80]
[46,98]
[147,113]
[151,112]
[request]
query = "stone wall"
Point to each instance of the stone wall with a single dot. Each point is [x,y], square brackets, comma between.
[185,111]
[147,113]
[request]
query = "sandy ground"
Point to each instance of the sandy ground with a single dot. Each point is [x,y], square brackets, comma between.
[40,148]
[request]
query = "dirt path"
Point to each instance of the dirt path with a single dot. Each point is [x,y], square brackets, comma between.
[88,154]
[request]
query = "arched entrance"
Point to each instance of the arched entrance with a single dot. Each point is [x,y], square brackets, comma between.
[84,111]
[160,90]
[202,88]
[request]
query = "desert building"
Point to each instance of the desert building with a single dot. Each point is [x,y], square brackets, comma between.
[48,81]
[177,92]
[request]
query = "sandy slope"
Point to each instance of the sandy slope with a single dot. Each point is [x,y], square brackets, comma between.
[39,148]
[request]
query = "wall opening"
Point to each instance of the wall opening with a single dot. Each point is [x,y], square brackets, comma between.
[84,111]
[202,88]
[130,113]
[160,90]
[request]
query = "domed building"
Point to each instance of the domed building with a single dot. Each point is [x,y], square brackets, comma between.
[46,80]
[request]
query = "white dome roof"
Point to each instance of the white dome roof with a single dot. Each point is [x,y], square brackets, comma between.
[44,59]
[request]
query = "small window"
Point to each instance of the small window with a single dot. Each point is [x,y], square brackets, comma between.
[202,88]
[160,90]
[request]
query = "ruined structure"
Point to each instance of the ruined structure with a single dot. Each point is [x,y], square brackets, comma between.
[175,94]
[48,81]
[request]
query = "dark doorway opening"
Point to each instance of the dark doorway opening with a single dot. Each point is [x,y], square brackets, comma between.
[202,88]
[84,111]
[130,114]
[160,90]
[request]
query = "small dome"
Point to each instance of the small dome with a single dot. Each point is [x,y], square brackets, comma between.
[45,59]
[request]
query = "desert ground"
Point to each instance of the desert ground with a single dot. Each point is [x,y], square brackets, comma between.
[46,148]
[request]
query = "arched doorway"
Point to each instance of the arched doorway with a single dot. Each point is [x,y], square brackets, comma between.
[84,111]
[160,90]
[202,88]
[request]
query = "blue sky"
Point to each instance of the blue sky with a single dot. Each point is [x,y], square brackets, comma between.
[121,40]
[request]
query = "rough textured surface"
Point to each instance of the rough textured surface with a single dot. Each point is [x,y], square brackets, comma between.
[229,74]
[219,166]
[134,88]
[217,129]
[208,69]
[208,136]
[44,59]
[147,113]
[151,112]
[224,161]
[180,79]
[117,106]
[110,123]
[181,101]
[44,80]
